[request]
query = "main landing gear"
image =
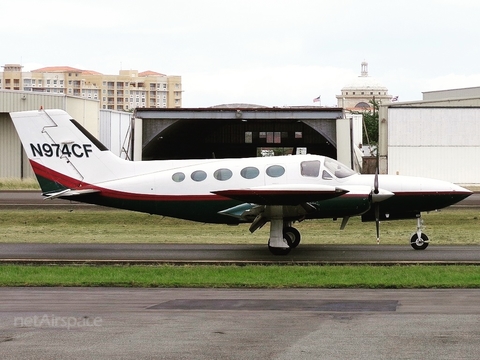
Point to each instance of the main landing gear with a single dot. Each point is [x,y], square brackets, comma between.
[283,237]
[419,241]
[291,238]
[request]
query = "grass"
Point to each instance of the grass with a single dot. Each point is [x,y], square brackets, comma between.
[19,184]
[449,227]
[399,277]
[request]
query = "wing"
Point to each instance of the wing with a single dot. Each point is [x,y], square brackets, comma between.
[283,194]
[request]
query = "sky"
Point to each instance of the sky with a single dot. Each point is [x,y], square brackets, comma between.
[264,52]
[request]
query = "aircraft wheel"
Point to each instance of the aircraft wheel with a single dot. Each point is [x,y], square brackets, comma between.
[279,251]
[292,236]
[419,244]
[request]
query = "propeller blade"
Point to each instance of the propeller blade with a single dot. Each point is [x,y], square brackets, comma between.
[375,180]
[377,221]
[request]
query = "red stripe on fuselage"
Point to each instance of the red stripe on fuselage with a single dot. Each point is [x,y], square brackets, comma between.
[75,184]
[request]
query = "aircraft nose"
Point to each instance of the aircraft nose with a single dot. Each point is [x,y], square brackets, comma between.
[461,192]
[456,193]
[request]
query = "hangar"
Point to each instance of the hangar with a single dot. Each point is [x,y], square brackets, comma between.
[237,130]
[436,137]
[110,126]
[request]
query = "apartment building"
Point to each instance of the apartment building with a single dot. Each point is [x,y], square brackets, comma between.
[128,90]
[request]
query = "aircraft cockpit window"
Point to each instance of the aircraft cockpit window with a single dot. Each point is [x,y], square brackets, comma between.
[275,171]
[178,177]
[249,172]
[310,168]
[326,175]
[198,175]
[222,174]
[338,169]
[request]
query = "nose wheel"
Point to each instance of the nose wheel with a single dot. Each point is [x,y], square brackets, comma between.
[419,243]
[419,240]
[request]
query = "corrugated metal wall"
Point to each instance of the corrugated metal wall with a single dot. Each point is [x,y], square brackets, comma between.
[25,100]
[115,132]
[13,160]
[441,143]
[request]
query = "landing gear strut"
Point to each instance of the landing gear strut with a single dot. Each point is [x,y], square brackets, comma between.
[419,241]
[283,237]
[291,237]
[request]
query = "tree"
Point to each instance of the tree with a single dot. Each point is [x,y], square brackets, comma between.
[370,123]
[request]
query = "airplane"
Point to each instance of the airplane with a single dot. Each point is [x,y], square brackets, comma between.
[70,163]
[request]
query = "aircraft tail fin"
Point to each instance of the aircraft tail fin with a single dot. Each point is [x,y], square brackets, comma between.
[64,156]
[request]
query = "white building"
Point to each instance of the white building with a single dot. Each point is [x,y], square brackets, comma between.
[436,138]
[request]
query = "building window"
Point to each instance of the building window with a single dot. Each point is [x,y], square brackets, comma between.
[248,137]
[274,137]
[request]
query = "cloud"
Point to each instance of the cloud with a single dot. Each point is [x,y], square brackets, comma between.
[268,86]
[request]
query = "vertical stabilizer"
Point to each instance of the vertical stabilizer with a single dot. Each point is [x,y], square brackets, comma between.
[62,153]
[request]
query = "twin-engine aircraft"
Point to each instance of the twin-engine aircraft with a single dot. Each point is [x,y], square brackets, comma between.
[70,163]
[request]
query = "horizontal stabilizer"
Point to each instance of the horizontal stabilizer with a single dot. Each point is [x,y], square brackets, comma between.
[69,192]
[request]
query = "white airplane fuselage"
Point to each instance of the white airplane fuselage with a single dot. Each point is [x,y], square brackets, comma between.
[70,163]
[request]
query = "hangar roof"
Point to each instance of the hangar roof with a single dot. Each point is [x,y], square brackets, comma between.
[240,113]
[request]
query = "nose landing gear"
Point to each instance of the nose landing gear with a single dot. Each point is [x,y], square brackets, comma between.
[419,240]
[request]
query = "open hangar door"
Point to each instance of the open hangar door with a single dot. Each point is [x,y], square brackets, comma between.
[233,133]
[226,139]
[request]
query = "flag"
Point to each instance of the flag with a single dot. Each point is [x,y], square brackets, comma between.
[317,99]
[395,98]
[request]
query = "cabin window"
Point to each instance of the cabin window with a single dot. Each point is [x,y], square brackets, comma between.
[249,172]
[222,174]
[199,175]
[275,171]
[326,175]
[178,177]
[338,169]
[310,168]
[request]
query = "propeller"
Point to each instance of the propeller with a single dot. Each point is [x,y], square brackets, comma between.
[376,189]
[378,195]
[376,204]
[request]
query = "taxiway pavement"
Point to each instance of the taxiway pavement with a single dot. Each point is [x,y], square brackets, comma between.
[100,323]
[235,254]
